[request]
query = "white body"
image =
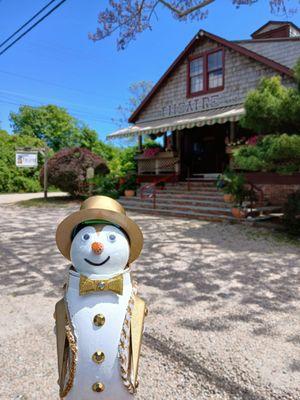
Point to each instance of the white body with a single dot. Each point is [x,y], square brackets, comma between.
[90,338]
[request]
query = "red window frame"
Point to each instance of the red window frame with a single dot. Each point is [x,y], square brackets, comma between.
[206,89]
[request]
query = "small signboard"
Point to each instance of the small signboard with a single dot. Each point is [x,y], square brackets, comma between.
[26,159]
[90,173]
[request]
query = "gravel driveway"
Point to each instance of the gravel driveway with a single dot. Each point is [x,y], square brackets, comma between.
[224,300]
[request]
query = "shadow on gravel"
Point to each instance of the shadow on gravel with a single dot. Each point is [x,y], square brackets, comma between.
[185,357]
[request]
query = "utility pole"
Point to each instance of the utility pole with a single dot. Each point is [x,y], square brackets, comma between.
[46,172]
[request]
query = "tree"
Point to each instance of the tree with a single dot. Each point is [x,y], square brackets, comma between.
[67,169]
[138,91]
[272,108]
[52,124]
[12,178]
[133,17]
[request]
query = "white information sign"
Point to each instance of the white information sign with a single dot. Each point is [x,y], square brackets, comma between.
[90,173]
[26,159]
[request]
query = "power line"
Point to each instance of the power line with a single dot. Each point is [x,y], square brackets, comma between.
[58,85]
[27,22]
[32,26]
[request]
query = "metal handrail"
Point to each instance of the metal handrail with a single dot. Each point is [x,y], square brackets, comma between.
[153,185]
[254,188]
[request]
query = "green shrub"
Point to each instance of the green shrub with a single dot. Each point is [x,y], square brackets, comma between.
[12,178]
[272,107]
[123,161]
[292,214]
[276,153]
[107,185]
[67,169]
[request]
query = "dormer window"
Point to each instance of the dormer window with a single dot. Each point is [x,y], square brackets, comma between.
[205,73]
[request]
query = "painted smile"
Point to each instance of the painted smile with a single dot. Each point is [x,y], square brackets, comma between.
[97,264]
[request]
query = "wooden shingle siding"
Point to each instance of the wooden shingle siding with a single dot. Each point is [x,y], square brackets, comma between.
[241,75]
[285,52]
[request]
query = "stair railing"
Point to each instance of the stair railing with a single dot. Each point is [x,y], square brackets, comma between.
[254,189]
[150,189]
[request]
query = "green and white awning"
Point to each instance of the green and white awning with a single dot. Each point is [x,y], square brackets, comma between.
[210,117]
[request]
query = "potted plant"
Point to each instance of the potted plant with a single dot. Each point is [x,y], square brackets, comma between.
[224,182]
[240,193]
[129,186]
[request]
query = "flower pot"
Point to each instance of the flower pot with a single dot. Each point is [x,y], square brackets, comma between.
[129,193]
[228,198]
[122,181]
[238,213]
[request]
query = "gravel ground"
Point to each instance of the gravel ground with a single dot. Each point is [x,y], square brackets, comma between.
[224,301]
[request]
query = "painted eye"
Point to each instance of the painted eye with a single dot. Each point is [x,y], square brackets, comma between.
[112,237]
[86,236]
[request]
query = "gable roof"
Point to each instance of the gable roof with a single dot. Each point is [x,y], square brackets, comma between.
[231,45]
[281,23]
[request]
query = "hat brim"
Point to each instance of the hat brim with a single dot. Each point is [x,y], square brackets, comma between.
[65,229]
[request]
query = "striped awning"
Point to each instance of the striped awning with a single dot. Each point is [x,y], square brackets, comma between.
[210,117]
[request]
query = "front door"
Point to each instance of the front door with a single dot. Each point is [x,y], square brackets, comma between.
[203,150]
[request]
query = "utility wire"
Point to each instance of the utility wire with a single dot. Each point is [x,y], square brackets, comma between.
[27,22]
[32,26]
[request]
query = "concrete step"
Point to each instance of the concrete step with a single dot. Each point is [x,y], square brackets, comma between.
[181,214]
[174,190]
[178,202]
[189,195]
[201,180]
[141,204]
[196,183]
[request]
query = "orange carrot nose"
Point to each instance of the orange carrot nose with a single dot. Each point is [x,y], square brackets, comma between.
[97,247]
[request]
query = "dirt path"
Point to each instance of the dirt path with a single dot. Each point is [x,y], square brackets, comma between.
[224,302]
[15,197]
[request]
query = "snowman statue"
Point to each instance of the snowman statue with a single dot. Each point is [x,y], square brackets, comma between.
[99,322]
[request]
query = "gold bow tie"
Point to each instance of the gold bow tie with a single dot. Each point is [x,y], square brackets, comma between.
[87,285]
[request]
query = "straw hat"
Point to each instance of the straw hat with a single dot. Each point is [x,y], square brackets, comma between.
[102,208]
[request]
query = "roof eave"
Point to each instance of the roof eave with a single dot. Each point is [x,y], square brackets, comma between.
[240,49]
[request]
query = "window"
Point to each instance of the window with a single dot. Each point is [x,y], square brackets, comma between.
[196,75]
[215,69]
[206,73]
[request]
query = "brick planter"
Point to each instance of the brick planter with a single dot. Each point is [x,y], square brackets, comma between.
[276,187]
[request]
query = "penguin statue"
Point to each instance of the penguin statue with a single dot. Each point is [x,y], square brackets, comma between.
[99,321]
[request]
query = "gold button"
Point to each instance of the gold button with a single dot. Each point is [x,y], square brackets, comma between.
[98,357]
[98,387]
[99,320]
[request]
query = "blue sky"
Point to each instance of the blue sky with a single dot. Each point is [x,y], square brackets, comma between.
[57,63]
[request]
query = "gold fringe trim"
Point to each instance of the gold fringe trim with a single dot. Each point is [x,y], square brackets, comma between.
[72,343]
[125,343]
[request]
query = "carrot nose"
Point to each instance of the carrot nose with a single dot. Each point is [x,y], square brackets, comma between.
[97,247]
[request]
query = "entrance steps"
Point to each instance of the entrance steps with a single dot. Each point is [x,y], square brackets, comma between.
[202,201]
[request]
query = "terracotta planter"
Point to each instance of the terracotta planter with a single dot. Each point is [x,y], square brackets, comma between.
[228,198]
[129,193]
[238,213]
[122,181]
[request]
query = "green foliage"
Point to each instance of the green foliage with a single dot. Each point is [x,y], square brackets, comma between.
[107,185]
[129,183]
[12,178]
[123,161]
[234,184]
[292,214]
[297,73]
[151,144]
[272,108]
[54,125]
[275,153]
